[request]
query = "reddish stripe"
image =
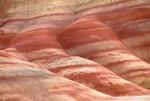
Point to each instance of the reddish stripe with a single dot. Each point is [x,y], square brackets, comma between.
[91,76]
[98,54]
[134,71]
[49,58]
[135,17]
[8,63]
[73,39]
[32,18]
[94,52]
[26,48]
[143,45]
[113,89]
[74,42]
[145,75]
[77,66]
[126,33]
[5,55]
[122,62]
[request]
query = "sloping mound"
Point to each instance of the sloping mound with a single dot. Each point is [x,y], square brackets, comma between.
[74,50]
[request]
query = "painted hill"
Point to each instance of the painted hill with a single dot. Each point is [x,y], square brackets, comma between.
[74,50]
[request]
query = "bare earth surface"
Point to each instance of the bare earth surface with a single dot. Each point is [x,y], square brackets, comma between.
[74,50]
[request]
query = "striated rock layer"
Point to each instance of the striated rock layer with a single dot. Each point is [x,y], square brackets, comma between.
[74,50]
